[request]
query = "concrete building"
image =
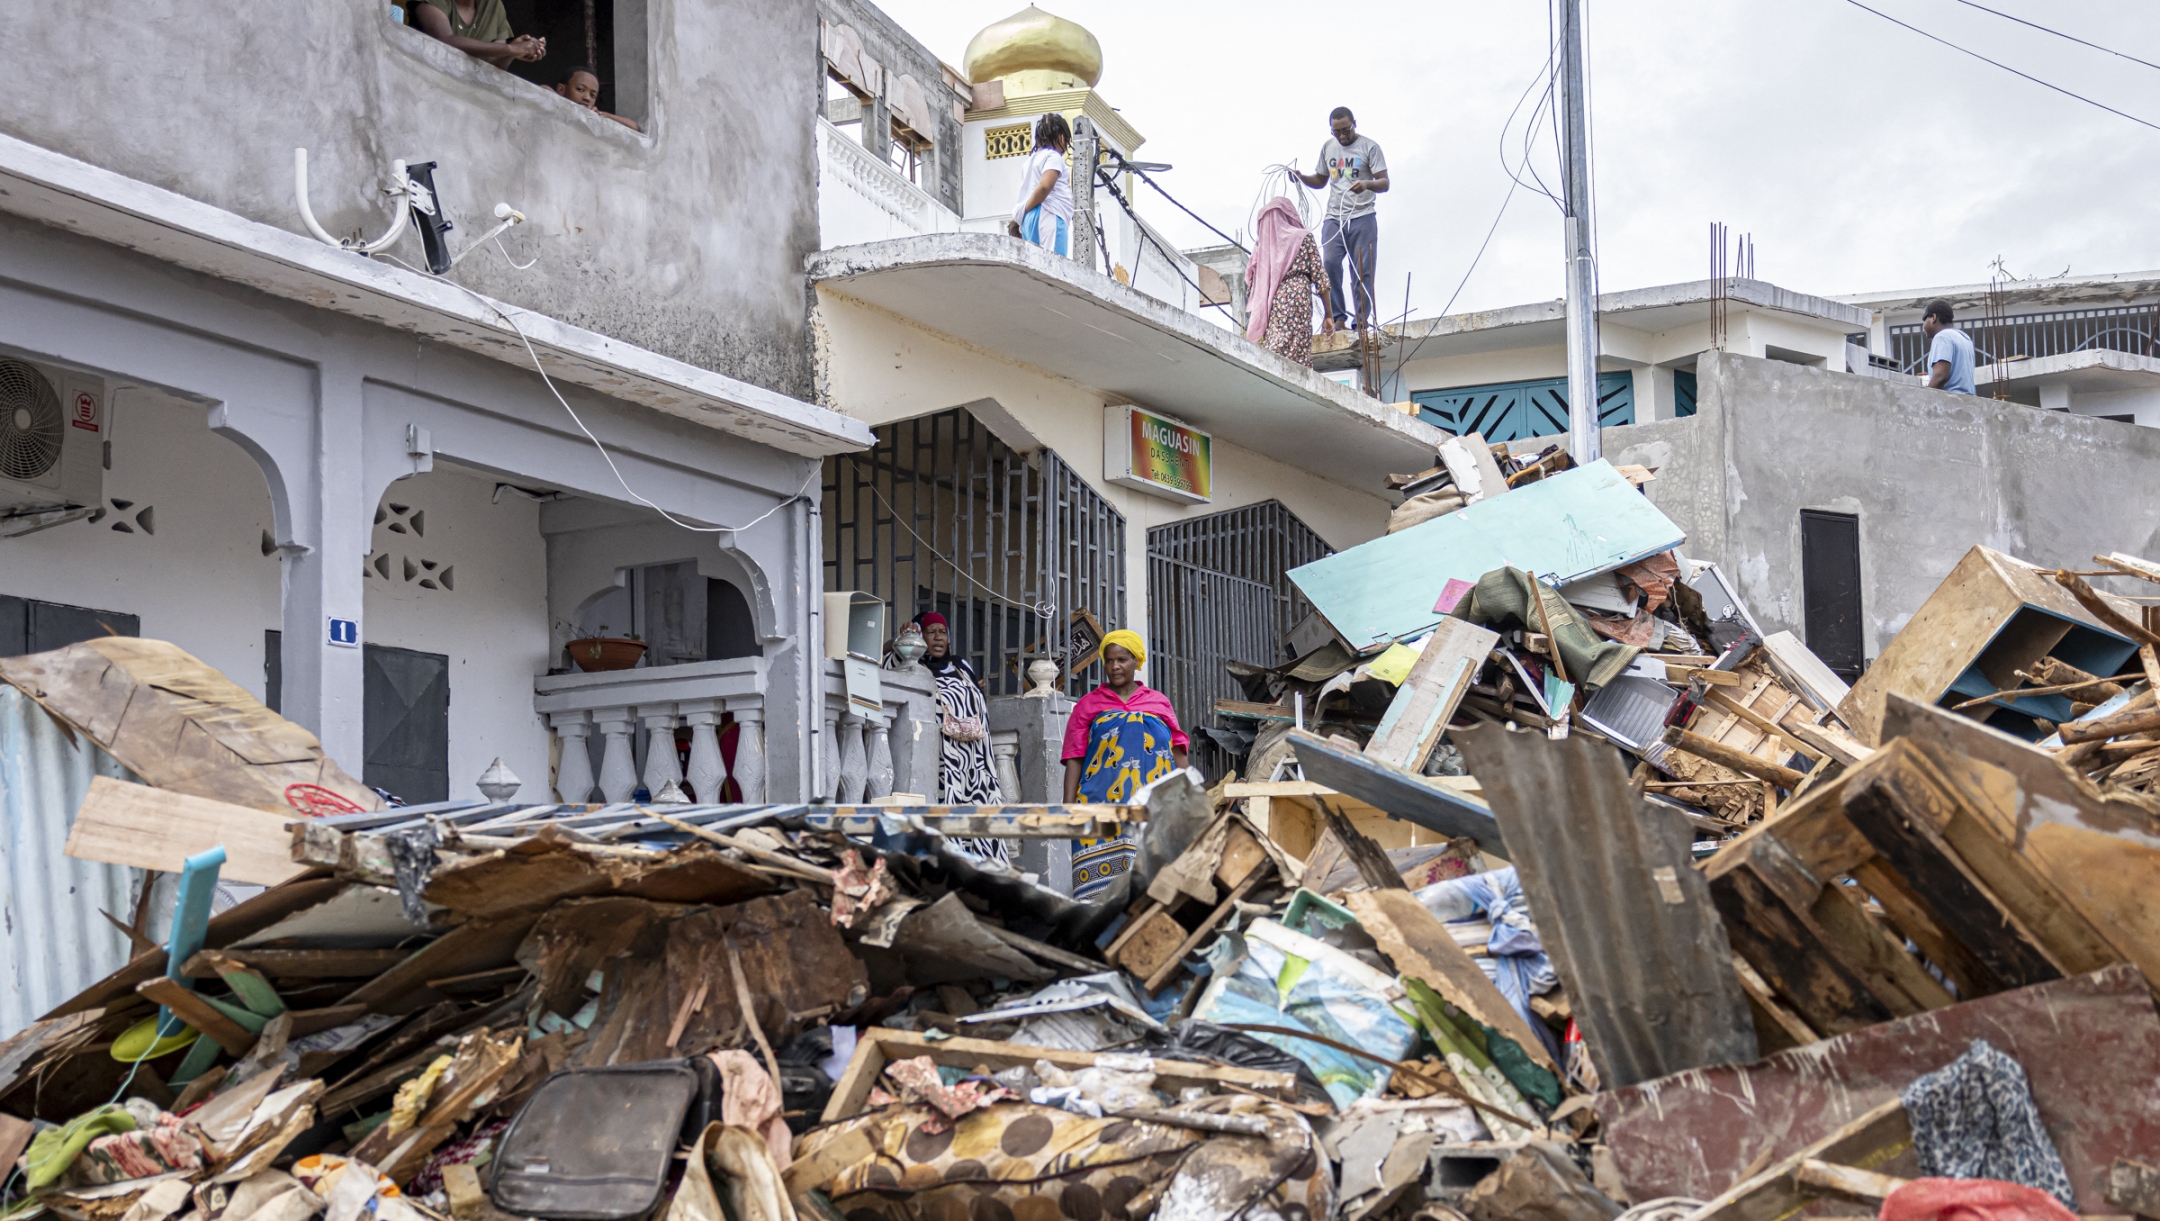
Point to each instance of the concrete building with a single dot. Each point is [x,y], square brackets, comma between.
[347,483]
[1064,449]
[2081,344]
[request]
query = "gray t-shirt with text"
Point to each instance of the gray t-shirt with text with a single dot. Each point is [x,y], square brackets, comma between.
[1342,163]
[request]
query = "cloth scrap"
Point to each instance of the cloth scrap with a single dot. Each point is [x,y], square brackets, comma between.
[920,1082]
[857,890]
[1974,1118]
[750,1098]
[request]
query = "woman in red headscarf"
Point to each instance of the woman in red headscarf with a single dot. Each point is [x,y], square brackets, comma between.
[964,772]
[1281,281]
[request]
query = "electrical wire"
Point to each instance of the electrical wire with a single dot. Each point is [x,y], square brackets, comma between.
[605,456]
[1043,610]
[1144,177]
[2005,67]
[2058,33]
[1198,295]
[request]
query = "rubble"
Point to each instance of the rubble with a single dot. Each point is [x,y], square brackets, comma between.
[1553,888]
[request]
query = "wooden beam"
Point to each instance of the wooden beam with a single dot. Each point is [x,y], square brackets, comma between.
[1846,1182]
[2119,725]
[1726,756]
[199,1013]
[2091,600]
[1837,744]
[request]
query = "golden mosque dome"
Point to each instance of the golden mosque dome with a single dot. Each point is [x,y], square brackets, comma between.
[1033,51]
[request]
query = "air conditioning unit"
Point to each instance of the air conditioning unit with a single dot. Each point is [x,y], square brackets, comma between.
[52,454]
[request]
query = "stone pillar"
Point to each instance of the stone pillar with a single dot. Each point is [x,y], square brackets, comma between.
[1038,726]
[618,766]
[661,763]
[749,752]
[1004,751]
[573,774]
[881,764]
[854,761]
[708,771]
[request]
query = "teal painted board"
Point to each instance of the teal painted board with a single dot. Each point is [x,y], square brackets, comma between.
[1573,525]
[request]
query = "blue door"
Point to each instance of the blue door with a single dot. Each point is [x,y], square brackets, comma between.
[1516,411]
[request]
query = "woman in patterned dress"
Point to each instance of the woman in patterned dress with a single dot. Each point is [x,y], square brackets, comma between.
[964,771]
[1281,282]
[1121,737]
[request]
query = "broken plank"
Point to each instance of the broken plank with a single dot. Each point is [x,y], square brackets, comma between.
[1876,803]
[1846,1182]
[1427,699]
[1719,699]
[2091,600]
[1421,947]
[308,964]
[199,1013]
[1787,948]
[1726,756]
[475,945]
[1834,743]
[1162,973]
[146,828]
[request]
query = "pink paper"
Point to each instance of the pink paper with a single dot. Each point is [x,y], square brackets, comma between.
[1451,593]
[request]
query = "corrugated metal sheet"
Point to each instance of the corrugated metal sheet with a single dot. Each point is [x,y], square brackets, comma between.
[1623,913]
[56,942]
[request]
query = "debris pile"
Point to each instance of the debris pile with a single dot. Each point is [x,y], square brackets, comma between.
[1552,887]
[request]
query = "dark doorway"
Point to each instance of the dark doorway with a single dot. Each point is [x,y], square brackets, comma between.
[1830,590]
[406,723]
[730,631]
[30,626]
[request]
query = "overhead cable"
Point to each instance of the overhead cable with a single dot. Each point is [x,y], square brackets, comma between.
[2005,67]
[2058,33]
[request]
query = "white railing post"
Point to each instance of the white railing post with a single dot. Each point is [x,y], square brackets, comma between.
[618,765]
[573,773]
[749,751]
[854,760]
[708,771]
[880,783]
[662,765]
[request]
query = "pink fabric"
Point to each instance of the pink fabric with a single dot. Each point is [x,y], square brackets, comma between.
[1279,233]
[1102,699]
[1971,1200]
[750,1098]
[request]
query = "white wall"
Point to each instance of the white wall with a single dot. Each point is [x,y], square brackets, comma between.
[881,368]
[492,620]
[194,570]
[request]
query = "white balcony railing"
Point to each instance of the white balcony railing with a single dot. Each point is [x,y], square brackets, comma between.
[872,755]
[862,199]
[617,703]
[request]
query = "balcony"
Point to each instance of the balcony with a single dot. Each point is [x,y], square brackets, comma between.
[862,199]
[865,756]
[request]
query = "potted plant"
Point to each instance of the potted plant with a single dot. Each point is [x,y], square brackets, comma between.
[605,652]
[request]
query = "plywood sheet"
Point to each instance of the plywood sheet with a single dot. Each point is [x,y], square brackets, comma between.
[1572,525]
[146,828]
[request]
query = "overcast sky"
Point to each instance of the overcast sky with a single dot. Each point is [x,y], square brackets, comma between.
[1860,155]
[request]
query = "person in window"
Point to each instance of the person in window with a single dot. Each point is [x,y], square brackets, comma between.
[1281,282]
[583,87]
[480,28]
[1950,353]
[1121,737]
[1044,216]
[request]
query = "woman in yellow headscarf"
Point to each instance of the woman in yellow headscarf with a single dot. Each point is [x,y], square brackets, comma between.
[1122,736]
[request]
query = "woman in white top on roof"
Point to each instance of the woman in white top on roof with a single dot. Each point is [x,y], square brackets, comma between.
[1044,216]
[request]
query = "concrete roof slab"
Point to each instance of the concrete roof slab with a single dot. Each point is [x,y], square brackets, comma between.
[57,190]
[2100,369]
[1005,296]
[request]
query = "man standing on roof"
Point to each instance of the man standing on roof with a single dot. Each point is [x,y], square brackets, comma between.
[1353,170]
[1950,353]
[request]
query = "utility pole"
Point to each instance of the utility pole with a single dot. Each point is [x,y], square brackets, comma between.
[1086,151]
[1582,323]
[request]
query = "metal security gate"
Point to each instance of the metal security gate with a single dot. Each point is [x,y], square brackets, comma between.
[1219,590]
[1200,619]
[939,514]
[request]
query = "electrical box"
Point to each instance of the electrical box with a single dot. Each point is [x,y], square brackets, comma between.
[855,637]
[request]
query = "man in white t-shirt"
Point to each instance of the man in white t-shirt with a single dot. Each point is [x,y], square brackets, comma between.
[1044,214]
[1950,352]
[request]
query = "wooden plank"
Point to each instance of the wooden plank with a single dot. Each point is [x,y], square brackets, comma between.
[1726,756]
[2115,620]
[1846,1182]
[1421,947]
[199,1013]
[1962,904]
[1894,976]
[1429,694]
[1776,1193]
[1834,743]
[475,945]
[1153,944]
[1162,973]
[878,1047]
[308,964]
[1240,856]
[146,828]
[1926,791]
[1760,994]
[1909,914]
[1798,664]
[1436,807]
[1786,948]
[1719,699]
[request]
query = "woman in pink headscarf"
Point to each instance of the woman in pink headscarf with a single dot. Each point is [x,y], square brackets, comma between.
[1281,283]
